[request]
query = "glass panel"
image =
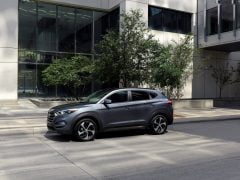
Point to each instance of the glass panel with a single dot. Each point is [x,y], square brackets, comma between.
[66,29]
[227,17]
[170,21]
[27,24]
[238,15]
[184,23]
[140,95]
[101,25]
[26,56]
[45,57]
[155,18]
[119,97]
[114,18]
[46,35]
[212,21]
[84,21]
[27,79]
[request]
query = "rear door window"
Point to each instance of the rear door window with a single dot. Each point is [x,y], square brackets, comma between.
[140,95]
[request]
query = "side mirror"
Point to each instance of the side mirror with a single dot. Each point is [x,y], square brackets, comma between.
[107,101]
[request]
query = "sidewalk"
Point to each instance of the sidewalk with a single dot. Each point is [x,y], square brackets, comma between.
[26,118]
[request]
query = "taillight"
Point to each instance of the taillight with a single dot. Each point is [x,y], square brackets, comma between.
[170,101]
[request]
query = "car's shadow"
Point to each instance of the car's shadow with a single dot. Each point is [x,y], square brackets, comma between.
[104,135]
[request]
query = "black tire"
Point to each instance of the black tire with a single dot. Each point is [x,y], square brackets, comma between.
[85,130]
[158,124]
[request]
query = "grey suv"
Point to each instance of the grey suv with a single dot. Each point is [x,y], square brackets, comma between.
[112,109]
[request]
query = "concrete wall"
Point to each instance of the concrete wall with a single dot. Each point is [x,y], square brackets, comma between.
[8,50]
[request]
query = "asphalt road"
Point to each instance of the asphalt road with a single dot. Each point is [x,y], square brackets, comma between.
[191,151]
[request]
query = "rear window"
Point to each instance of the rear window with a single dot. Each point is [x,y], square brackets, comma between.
[139,95]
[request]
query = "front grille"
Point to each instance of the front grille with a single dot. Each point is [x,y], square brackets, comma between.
[51,116]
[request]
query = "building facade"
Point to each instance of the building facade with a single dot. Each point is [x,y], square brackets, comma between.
[34,33]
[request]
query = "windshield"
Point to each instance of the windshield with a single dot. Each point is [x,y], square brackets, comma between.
[96,96]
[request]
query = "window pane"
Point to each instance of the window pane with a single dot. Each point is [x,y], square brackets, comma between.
[46,27]
[114,18]
[170,21]
[119,97]
[27,79]
[184,23]
[101,25]
[227,17]
[139,95]
[45,57]
[26,56]
[238,15]
[155,18]
[212,21]
[27,24]
[66,29]
[84,23]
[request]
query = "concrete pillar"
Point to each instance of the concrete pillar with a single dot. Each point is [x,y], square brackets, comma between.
[8,50]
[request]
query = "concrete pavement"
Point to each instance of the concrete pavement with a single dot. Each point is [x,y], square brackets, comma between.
[190,151]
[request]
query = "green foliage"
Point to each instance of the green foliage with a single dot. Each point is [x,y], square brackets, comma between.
[172,66]
[125,55]
[71,73]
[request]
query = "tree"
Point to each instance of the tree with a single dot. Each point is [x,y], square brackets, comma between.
[125,55]
[71,73]
[222,74]
[172,66]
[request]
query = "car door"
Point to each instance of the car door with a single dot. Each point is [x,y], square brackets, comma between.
[139,106]
[116,114]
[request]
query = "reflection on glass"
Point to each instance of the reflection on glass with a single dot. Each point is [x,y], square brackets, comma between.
[169,20]
[212,21]
[46,34]
[26,56]
[66,29]
[238,15]
[84,30]
[101,25]
[45,57]
[155,18]
[27,24]
[27,79]
[227,17]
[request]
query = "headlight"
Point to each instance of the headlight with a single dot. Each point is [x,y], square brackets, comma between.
[63,112]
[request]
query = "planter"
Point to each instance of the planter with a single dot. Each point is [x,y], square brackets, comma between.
[48,103]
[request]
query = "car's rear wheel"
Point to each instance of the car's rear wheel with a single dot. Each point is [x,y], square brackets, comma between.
[158,124]
[85,130]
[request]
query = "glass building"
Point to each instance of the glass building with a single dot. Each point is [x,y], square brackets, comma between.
[48,32]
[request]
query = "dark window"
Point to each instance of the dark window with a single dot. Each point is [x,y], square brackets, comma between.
[227,17]
[169,20]
[212,21]
[238,15]
[46,33]
[184,23]
[66,29]
[100,26]
[155,18]
[114,17]
[27,24]
[139,95]
[84,22]
[119,97]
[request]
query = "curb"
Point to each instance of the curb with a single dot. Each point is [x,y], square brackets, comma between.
[205,119]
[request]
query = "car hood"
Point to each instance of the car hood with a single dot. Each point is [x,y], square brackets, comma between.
[70,106]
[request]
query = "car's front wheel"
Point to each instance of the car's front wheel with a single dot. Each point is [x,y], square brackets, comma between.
[158,124]
[85,130]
